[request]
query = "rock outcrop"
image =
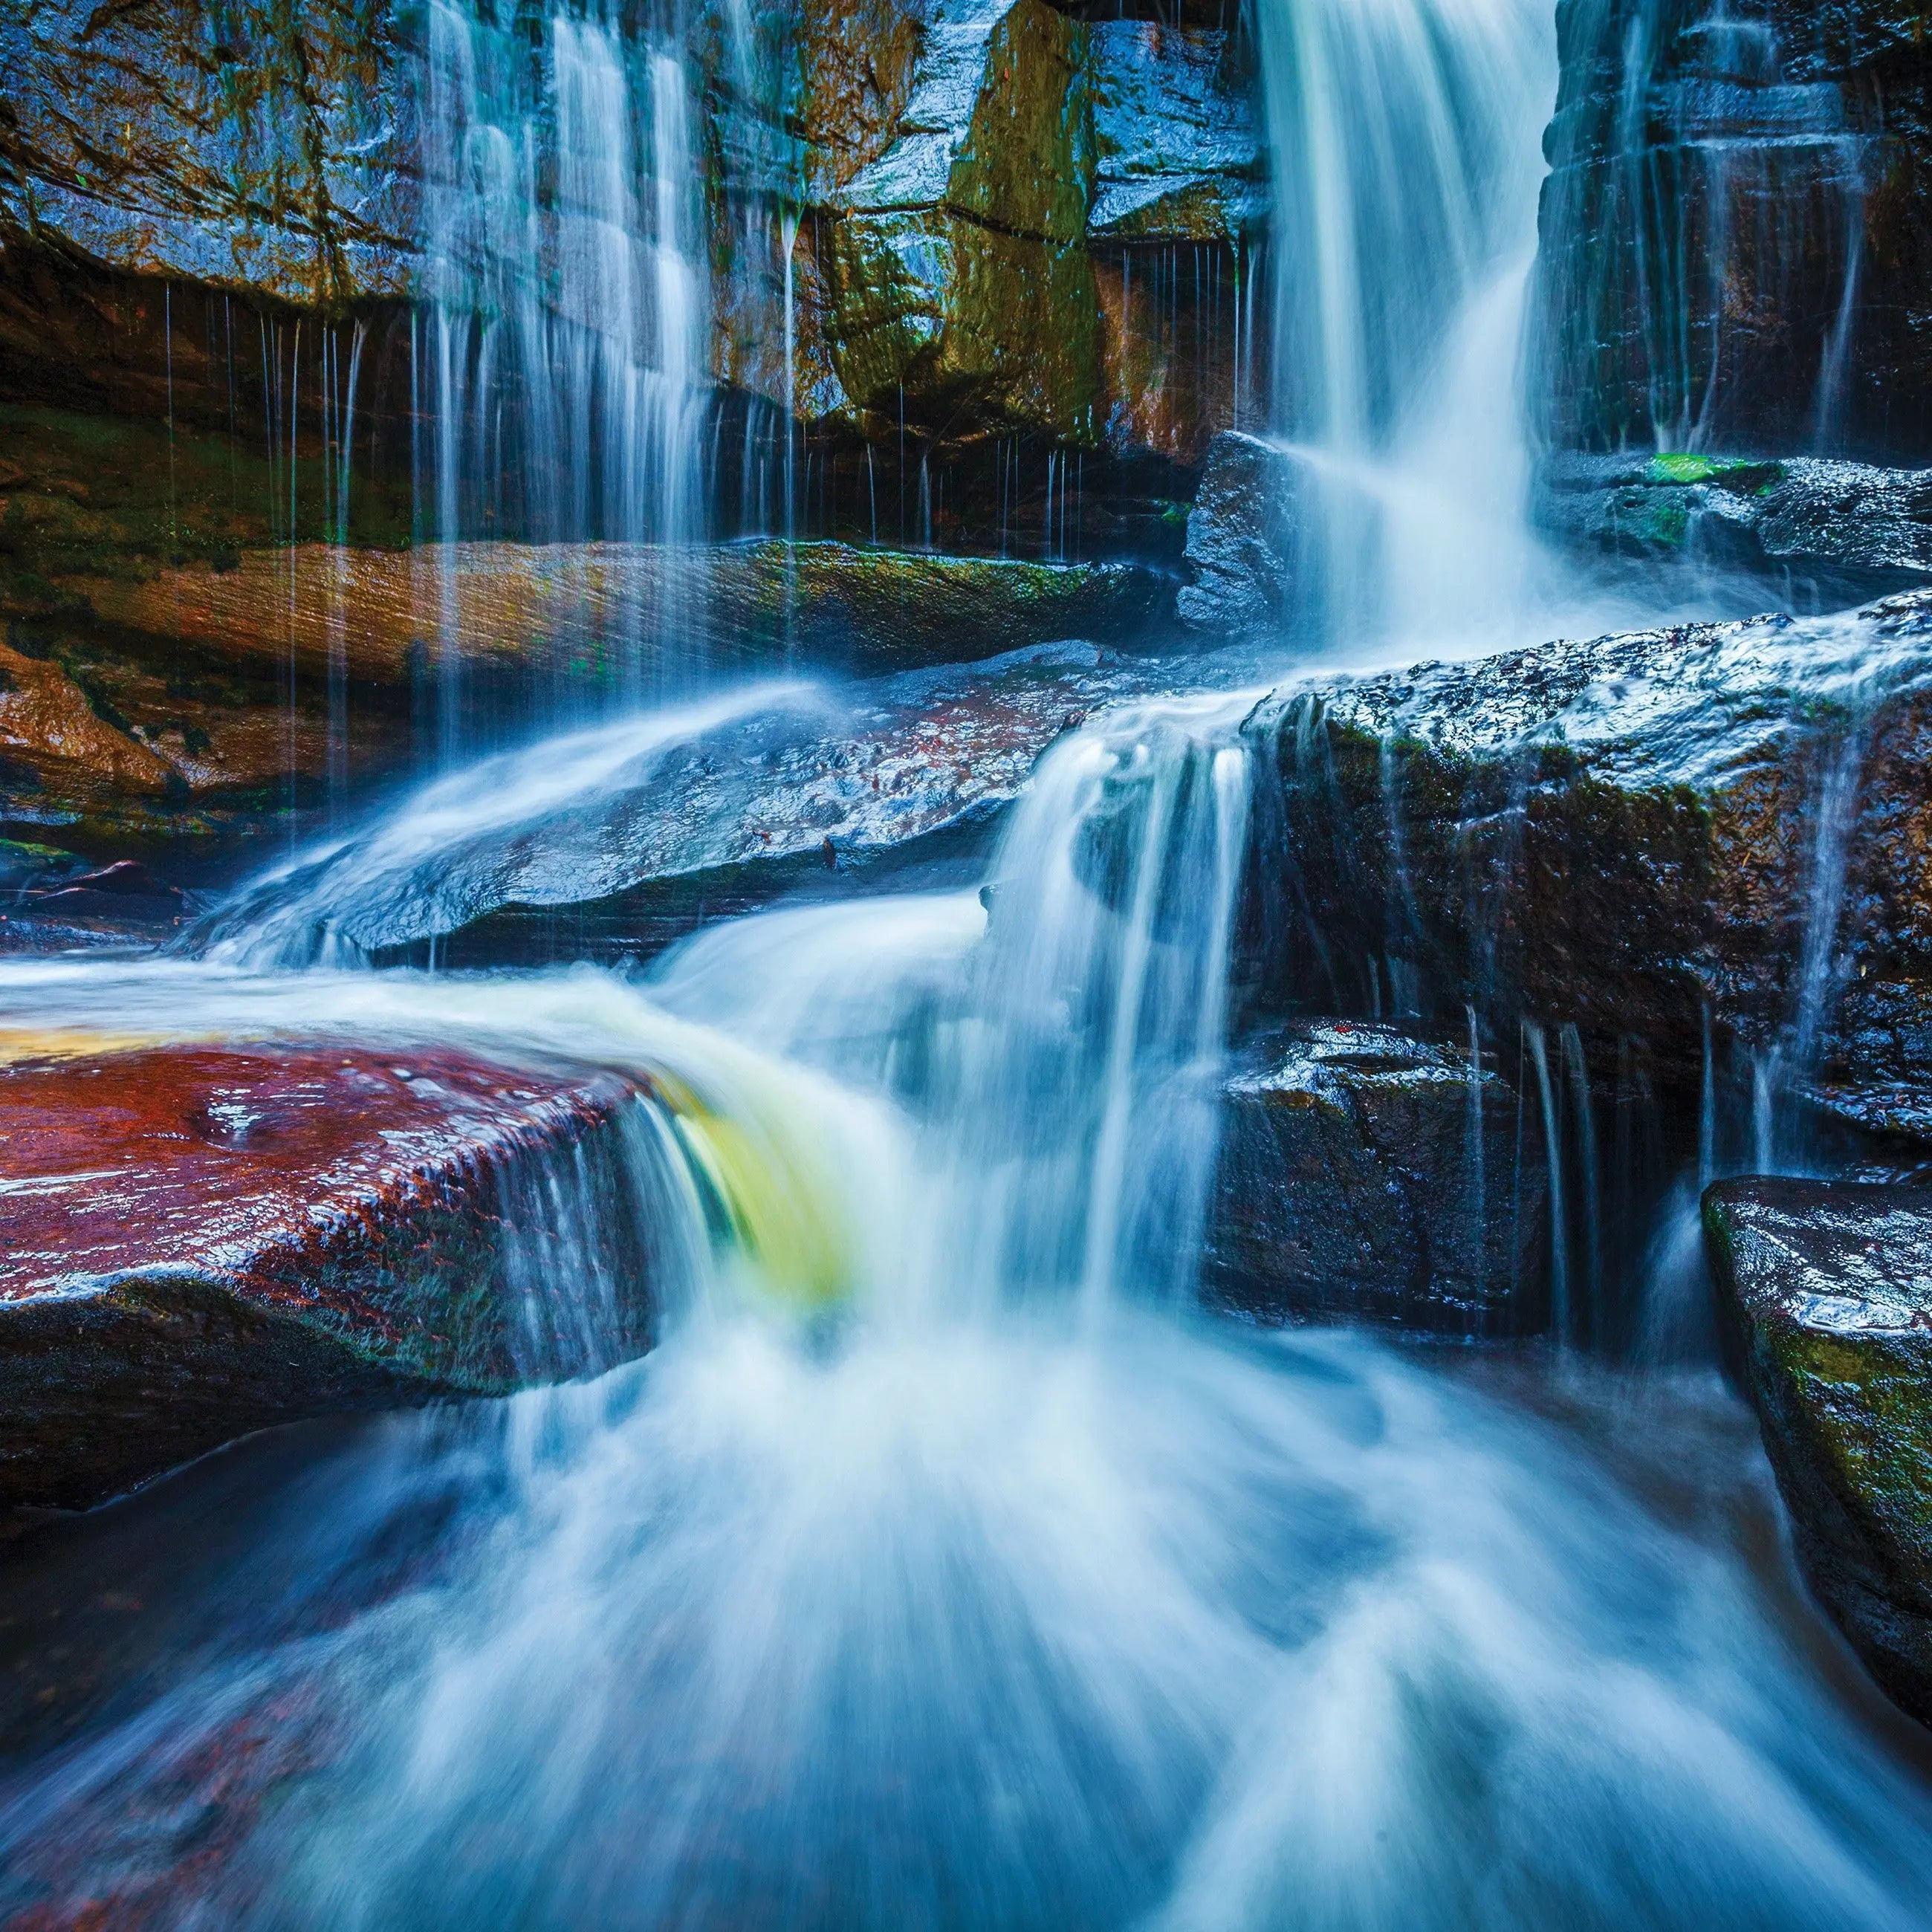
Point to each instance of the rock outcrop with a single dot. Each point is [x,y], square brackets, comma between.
[1627,835]
[590,611]
[1829,532]
[1825,1296]
[257,148]
[1735,229]
[1369,1174]
[203,1241]
[611,845]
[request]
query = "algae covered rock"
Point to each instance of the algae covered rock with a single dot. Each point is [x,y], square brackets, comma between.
[1850,530]
[1368,1173]
[954,264]
[1825,1297]
[203,1241]
[584,609]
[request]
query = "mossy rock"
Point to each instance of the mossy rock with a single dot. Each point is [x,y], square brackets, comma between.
[1824,1299]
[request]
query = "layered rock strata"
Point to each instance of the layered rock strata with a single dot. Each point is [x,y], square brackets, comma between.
[203,1241]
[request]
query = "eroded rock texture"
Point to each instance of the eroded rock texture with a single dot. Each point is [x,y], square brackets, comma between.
[1624,835]
[1825,1294]
[203,1241]
[1368,1173]
[1736,249]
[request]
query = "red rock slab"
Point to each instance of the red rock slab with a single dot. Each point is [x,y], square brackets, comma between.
[196,1242]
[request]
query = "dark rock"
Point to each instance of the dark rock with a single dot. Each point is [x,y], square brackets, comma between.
[1243,539]
[1853,531]
[1825,1296]
[1735,228]
[125,878]
[24,865]
[1369,1174]
[201,1242]
[1732,819]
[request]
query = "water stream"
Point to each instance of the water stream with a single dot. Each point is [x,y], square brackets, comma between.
[946,1565]
[986,1583]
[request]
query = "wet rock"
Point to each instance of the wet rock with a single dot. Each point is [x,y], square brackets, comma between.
[54,742]
[249,147]
[1177,152]
[1628,833]
[1368,1173]
[1852,530]
[1825,1295]
[575,608]
[203,1241]
[25,864]
[954,262]
[1734,232]
[1242,539]
[610,844]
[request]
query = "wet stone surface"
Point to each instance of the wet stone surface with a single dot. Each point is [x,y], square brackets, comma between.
[197,1242]
[1369,1174]
[1825,1298]
[1627,834]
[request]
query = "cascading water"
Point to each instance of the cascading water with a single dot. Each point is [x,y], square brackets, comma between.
[1405,139]
[562,362]
[982,1588]
[943,1566]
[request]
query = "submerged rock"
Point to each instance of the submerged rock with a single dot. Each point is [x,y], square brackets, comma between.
[203,1241]
[1369,1174]
[1825,1296]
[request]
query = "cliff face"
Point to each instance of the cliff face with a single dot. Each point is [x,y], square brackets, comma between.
[261,147]
[979,217]
[1736,245]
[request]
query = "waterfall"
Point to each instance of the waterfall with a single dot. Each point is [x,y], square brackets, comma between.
[564,370]
[1405,138]
[1086,1103]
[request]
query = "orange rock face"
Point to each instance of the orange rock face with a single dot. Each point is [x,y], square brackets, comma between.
[196,1242]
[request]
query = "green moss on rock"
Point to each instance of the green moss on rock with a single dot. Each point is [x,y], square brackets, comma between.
[1824,1298]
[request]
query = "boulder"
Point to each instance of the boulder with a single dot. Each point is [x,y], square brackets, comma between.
[1843,532]
[1824,1298]
[1243,539]
[1370,1173]
[1728,820]
[202,1241]
[609,844]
